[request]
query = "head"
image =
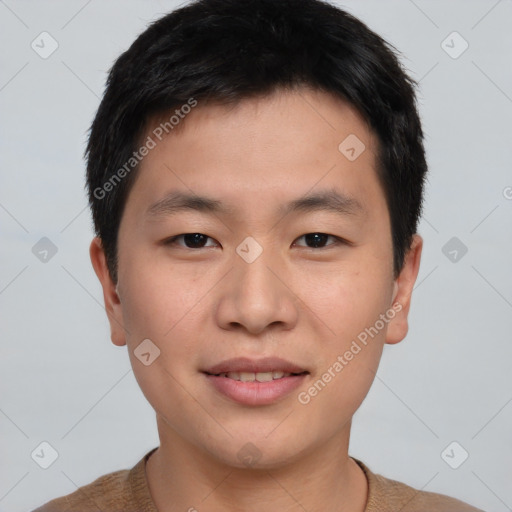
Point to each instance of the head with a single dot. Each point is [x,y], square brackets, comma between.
[292,130]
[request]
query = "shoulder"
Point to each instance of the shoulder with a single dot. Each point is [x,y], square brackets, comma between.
[93,496]
[120,491]
[387,495]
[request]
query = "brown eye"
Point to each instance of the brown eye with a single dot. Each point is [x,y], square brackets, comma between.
[191,240]
[319,240]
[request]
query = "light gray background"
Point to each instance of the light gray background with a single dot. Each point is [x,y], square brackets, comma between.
[64,382]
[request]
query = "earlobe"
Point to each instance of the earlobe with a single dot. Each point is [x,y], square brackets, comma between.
[402,293]
[110,292]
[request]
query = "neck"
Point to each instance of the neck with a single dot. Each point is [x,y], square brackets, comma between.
[183,478]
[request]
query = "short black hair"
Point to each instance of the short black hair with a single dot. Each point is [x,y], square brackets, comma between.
[225,51]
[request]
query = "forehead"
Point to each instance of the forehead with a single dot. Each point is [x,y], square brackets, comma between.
[280,147]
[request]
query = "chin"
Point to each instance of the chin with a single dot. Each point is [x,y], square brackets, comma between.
[258,452]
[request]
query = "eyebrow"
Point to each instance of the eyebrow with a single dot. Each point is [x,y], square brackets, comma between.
[324,200]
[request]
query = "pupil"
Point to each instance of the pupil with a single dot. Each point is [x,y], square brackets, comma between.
[316,238]
[194,239]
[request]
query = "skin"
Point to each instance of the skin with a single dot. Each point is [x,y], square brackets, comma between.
[202,304]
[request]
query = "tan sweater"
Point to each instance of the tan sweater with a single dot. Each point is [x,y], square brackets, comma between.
[127,491]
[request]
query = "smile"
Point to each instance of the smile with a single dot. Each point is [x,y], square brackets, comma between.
[258,377]
[255,382]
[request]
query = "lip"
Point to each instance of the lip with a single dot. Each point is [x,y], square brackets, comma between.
[244,364]
[255,393]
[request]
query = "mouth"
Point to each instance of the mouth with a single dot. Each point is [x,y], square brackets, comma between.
[255,382]
[256,376]
[246,366]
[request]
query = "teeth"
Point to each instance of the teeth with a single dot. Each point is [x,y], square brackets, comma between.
[264,376]
[251,377]
[247,377]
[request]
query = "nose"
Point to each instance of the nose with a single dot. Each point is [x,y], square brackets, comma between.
[257,296]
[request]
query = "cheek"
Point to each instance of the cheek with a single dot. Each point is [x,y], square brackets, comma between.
[159,306]
[351,306]
[164,314]
[349,300]
[163,387]
[158,297]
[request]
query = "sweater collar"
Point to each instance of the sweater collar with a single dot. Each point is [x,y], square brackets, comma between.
[141,496]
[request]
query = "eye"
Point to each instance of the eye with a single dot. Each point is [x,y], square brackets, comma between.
[319,239]
[198,240]
[191,240]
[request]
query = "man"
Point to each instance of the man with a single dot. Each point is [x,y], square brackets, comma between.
[255,173]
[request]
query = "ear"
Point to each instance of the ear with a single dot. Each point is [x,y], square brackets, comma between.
[404,284]
[110,296]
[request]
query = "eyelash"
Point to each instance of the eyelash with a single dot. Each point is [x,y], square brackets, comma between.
[337,241]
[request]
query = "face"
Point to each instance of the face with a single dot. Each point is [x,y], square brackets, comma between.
[254,246]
